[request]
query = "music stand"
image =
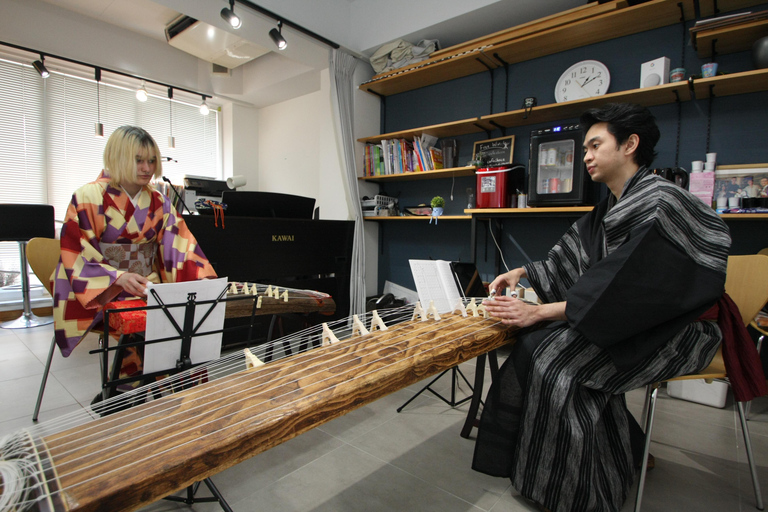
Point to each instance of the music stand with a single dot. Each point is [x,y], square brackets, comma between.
[160,336]
[469,284]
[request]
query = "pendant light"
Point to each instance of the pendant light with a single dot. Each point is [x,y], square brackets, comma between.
[171,139]
[99,127]
[204,107]
[141,94]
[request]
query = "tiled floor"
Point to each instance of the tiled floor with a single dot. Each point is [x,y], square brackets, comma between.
[375,459]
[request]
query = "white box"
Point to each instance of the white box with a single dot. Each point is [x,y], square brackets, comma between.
[697,390]
[654,72]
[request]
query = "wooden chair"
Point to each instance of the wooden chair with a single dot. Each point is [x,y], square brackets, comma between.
[43,256]
[747,284]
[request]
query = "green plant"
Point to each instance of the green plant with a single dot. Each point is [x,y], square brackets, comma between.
[437,202]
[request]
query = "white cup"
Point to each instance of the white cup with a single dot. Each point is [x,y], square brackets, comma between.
[722,203]
[709,166]
[697,165]
[733,202]
[711,157]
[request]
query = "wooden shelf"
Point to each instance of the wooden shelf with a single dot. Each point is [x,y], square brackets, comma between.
[707,7]
[426,175]
[734,38]
[723,85]
[529,211]
[735,83]
[551,35]
[422,218]
[744,216]
[648,96]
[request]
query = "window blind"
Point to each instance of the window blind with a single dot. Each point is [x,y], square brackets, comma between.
[48,146]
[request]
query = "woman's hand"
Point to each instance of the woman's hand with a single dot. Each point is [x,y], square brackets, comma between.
[135,284]
[512,311]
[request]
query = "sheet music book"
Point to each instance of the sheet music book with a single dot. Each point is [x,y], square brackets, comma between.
[162,356]
[435,282]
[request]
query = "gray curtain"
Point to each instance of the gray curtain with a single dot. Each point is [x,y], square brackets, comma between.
[342,68]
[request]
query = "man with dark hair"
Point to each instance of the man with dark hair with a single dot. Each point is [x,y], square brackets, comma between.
[622,293]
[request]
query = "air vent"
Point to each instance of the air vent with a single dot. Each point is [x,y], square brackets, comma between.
[210,43]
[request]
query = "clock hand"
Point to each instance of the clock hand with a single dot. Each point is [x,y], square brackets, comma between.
[588,80]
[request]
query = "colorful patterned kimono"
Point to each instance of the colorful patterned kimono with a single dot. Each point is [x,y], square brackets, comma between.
[104,236]
[636,275]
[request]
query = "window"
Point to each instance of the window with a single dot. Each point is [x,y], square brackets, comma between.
[48,146]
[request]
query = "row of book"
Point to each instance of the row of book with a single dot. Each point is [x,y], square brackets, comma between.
[398,156]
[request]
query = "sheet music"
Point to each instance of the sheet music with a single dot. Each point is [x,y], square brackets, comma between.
[435,282]
[162,356]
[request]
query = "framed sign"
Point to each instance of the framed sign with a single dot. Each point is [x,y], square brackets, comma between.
[496,152]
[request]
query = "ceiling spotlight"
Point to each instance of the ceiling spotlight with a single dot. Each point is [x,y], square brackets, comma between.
[39,65]
[230,16]
[141,94]
[277,36]
[204,108]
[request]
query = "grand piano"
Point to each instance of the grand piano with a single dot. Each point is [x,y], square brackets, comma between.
[271,238]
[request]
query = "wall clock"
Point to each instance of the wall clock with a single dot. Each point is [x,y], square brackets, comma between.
[582,80]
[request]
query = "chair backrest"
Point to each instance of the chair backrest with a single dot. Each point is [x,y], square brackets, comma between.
[747,283]
[43,256]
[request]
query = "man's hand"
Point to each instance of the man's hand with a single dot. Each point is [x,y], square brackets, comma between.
[135,284]
[512,311]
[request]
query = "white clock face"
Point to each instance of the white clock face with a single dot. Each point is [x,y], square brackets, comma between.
[582,80]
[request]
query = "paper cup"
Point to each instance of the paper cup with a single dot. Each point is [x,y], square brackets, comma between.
[677,75]
[709,69]
[697,165]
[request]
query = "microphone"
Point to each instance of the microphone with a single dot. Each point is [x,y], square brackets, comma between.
[176,193]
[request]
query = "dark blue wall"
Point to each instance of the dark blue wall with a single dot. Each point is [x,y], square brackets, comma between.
[739,125]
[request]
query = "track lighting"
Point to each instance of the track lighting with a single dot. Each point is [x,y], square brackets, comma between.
[230,16]
[277,36]
[141,94]
[39,65]
[204,107]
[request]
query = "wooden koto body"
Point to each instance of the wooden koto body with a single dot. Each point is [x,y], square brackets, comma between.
[133,458]
[300,301]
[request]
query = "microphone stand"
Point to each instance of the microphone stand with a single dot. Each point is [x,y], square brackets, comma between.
[178,196]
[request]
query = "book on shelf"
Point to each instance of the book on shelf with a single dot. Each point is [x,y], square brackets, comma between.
[399,156]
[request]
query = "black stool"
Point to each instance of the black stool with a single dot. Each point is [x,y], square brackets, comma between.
[19,223]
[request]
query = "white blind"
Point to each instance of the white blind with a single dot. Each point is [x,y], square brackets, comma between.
[48,146]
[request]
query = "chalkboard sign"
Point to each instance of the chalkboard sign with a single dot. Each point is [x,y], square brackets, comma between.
[496,152]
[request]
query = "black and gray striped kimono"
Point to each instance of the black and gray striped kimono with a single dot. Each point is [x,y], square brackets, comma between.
[636,274]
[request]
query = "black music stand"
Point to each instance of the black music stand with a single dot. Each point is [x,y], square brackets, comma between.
[184,362]
[455,374]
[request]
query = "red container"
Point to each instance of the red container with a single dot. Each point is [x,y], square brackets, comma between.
[492,187]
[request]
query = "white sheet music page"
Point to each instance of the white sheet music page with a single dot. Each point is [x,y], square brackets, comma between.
[434,282]
[162,356]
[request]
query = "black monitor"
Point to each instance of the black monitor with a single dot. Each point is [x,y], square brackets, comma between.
[268,204]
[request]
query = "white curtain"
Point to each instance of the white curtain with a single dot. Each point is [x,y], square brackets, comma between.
[342,68]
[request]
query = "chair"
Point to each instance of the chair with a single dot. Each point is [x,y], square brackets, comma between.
[21,222]
[747,284]
[43,254]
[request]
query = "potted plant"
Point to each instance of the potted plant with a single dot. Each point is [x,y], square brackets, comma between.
[437,203]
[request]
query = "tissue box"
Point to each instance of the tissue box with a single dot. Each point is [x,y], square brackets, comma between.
[697,390]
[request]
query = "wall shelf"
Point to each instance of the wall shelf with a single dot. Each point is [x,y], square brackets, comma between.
[730,39]
[454,172]
[554,34]
[422,218]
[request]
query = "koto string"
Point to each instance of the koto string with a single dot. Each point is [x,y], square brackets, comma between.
[238,362]
[232,362]
[249,393]
[214,368]
[172,448]
[250,419]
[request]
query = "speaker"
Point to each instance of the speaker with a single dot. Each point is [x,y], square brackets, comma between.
[654,72]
